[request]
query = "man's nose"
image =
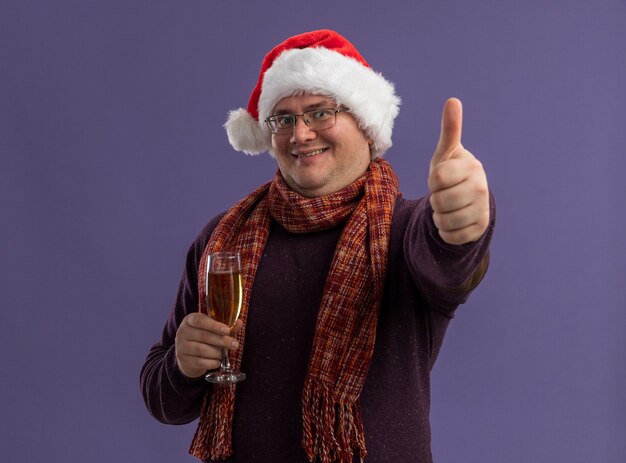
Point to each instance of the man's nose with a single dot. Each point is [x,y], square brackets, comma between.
[301,132]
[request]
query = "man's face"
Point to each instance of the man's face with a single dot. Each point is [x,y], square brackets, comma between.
[323,162]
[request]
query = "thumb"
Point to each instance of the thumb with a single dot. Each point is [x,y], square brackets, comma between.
[451,126]
[237,327]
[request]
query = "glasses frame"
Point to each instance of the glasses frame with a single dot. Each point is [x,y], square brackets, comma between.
[304,119]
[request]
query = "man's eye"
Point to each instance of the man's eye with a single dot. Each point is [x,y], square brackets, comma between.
[285,120]
[320,114]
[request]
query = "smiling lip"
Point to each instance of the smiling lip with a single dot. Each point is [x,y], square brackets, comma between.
[309,154]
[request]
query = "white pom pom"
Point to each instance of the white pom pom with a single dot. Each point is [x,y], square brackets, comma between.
[246,133]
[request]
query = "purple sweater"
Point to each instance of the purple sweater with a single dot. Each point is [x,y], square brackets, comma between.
[427,279]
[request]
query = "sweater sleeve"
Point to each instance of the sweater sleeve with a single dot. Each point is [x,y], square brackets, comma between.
[445,273]
[170,396]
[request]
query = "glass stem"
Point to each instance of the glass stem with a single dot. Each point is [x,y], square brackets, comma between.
[225,364]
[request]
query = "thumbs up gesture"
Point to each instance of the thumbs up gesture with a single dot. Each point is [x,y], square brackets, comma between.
[457,183]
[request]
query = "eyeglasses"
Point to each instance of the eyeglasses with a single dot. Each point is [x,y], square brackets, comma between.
[315,119]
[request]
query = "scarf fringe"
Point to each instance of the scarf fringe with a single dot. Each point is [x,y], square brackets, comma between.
[213,437]
[333,431]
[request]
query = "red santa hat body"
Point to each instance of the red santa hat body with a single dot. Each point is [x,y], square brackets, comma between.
[319,62]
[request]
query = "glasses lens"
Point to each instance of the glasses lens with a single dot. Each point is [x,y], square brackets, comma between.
[281,124]
[320,119]
[286,121]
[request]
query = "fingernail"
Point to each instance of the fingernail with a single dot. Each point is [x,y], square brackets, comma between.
[235,345]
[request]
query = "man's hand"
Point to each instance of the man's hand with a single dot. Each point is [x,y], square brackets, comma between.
[199,342]
[457,183]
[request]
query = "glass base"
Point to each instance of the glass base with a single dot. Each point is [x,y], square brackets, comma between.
[225,377]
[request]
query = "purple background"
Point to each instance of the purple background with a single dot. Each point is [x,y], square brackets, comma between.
[113,157]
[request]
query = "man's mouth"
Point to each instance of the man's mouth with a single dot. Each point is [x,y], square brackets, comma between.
[310,153]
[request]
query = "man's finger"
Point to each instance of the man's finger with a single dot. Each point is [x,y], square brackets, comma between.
[237,328]
[451,127]
[204,322]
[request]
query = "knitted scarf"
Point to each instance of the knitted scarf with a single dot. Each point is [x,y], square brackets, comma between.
[346,324]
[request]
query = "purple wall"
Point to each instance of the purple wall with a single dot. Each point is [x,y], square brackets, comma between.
[112,157]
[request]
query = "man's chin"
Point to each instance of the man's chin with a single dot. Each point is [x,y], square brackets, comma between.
[310,189]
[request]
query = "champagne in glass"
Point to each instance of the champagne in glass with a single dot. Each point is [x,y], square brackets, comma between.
[224,295]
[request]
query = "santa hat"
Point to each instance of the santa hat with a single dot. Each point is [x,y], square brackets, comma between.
[319,62]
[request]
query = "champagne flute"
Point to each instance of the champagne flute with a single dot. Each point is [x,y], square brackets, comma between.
[224,295]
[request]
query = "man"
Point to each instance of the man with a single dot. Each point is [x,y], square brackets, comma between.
[348,287]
